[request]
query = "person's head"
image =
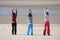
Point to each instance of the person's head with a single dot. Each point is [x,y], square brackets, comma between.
[30,15]
[14,14]
[46,9]
[47,13]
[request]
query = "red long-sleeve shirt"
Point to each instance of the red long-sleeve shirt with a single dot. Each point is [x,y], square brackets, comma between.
[14,17]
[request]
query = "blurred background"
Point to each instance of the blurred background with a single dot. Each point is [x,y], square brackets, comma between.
[37,7]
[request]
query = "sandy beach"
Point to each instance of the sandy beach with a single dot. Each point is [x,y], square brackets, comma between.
[5,32]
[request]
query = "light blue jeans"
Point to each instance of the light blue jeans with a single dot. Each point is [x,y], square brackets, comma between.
[30,28]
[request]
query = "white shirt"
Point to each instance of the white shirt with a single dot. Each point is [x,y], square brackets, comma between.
[46,17]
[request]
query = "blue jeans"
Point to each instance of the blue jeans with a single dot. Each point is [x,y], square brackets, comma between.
[30,28]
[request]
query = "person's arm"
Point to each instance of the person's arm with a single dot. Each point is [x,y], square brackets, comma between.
[12,11]
[16,12]
[44,12]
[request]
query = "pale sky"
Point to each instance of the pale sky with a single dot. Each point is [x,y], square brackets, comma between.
[7,10]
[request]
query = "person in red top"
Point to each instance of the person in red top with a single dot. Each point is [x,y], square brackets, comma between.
[14,23]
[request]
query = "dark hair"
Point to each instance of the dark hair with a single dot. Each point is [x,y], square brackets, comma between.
[47,13]
[30,15]
[14,14]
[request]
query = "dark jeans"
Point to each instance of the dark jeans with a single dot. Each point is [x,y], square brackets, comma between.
[14,29]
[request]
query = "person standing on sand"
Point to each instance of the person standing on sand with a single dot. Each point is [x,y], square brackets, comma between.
[14,23]
[30,24]
[46,22]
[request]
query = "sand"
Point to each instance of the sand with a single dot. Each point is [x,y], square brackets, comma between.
[5,32]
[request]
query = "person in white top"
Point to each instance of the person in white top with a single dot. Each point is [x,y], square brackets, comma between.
[46,22]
